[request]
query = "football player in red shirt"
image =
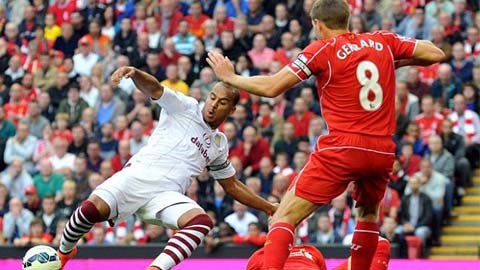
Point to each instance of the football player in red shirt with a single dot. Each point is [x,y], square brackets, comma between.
[356,84]
[303,257]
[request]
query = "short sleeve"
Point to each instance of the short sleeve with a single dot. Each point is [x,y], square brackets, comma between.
[401,47]
[221,168]
[307,62]
[173,101]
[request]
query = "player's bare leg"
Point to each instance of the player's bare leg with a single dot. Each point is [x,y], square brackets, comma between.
[291,211]
[82,220]
[365,238]
[195,224]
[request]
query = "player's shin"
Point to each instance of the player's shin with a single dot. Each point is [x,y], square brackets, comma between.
[184,242]
[364,244]
[81,221]
[277,247]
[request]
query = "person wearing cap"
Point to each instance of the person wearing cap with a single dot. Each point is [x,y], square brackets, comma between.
[32,200]
[85,59]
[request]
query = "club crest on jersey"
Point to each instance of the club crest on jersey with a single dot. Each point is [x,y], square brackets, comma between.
[217,140]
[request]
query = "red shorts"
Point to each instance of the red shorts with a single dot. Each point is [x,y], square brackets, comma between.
[342,158]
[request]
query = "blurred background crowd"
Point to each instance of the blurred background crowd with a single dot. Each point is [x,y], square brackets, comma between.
[65,128]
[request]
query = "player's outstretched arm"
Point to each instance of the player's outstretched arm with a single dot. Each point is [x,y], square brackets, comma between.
[145,82]
[266,86]
[426,53]
[241,193]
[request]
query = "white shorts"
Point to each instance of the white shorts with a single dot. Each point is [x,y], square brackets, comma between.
[127,193]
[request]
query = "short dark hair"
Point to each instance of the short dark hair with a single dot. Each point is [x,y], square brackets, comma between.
[334,14]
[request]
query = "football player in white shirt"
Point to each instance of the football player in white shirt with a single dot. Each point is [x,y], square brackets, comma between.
[153,183]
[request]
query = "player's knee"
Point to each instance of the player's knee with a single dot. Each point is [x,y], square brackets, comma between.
[201,219]
[368,213]
[101,207]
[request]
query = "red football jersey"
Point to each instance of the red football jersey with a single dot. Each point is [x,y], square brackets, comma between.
[301,257]
[356,79]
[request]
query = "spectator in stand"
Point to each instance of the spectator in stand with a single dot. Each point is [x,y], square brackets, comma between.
[439,39]
[185,71]
[49,214]
[371,15]
[62,9]
[88,92]
[37,235]
[48,110]
[472,97]
[125,40]
[455,144]
[472,43]
[61,127]
[48,182]
[301,117]
[120,159]
[206,81]
[109,105]
[153,65]
[230,130]
[251,150]
[308,96]
[268,123]
[173,82]
[341,216]
[59,91]
[229,47]
[413,136]
[154,33]
[44,146]
[224,22]
[73,105]
[21,147]
[387,231]
[88,122]
[315,130]
[80,175]
[210,36]
[324,233]
[281,18]
[420,25]
[94,158]
[108,144]
[85,59]
[69,203]
[429,121]
[467,124]
[79,141]
[399,17]
[106,170]
[169,54]
[409,102]
[196,19]
[260,54]
[240,218]
[16,222]
[282,162]
[398,178]
[415,85]
[139,54]
[99,237]
[145,117]
[52,30]
[16,179]
[441,159]
[15,71]
[409,160]
[35,120]
[288,52]
[61,160]
[218,202]
[68,41]
[17,107]
[138,139]
[461,67]
[255,236]
[122,132]
[98,42]
[446,86]
[183,40]
[416,215]
[7,128]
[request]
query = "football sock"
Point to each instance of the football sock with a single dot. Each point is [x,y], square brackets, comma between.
[184,242]
[81,221]
[380,260]
[277,247]
[364,244]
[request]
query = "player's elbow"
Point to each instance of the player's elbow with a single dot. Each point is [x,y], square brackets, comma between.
[437,56]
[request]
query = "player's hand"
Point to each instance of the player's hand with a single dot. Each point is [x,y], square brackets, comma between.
[123,72]
[222,66]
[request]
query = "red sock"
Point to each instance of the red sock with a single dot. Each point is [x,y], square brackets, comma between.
[364,244]
[382,255]
[277,247]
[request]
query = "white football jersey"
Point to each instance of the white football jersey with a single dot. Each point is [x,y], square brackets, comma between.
[182,145]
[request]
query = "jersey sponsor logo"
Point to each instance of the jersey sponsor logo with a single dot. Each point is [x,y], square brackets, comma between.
[349,48]
[301,63]
[202,148]
[219,167]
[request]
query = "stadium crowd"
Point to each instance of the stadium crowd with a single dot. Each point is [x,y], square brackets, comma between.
[65,128]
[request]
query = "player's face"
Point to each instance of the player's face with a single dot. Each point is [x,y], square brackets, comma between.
[218,105]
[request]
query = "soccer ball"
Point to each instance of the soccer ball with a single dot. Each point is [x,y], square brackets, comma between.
[41,258]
